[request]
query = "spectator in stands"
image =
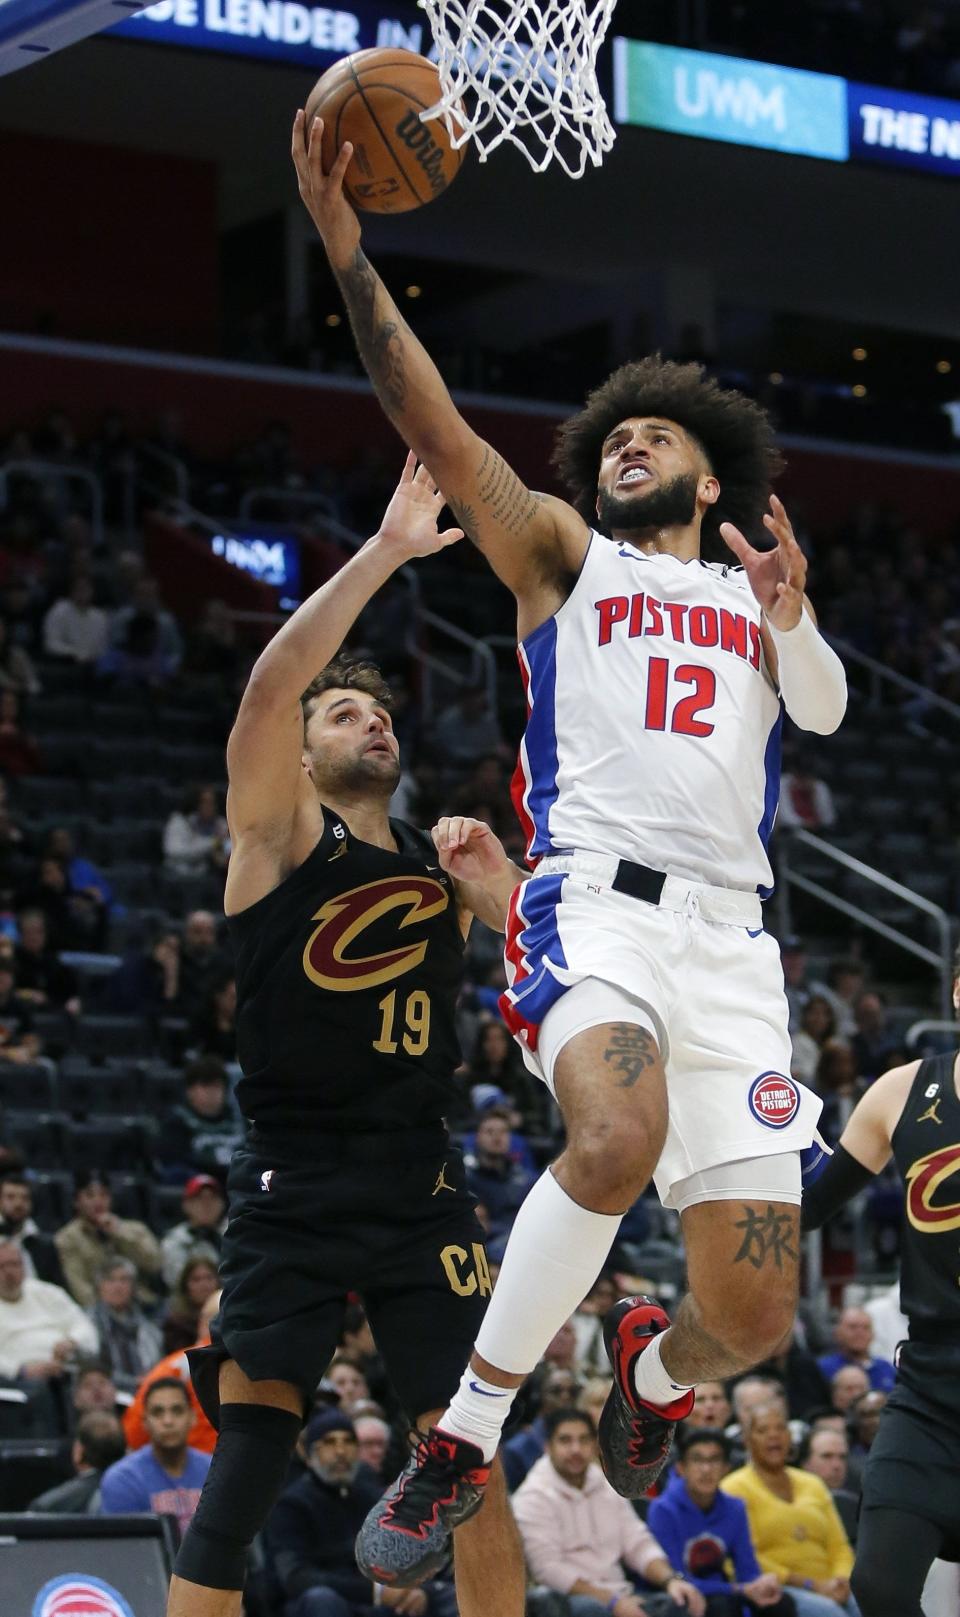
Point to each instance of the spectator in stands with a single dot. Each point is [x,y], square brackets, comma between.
[41,1332]
[853,1335]
[19,753]
[181,1319]
[844,985]
[11,1157]
[863,1423]
[202,1435]
[98,1442]
[712,1410]
[166,1477]
[703,1530]
[200,1134]
[195,838]
[96,1234]
[351,1385]
[42,978]
[806,801]
[92,1388]
[558,1389]
[799,1374]
[468,728]
[75,919]
[200,1232]
[838,1081]
[579,1537]
[873,1043]
[492,1175]
[588,1325]
[373,1437]
[827,1454]
[201,957]
[212,643]
[593,1395]
[130,1343]
[796,1531]
[213,1031]
[82,874]
[17,672]
[497,1060]
[847,1384]
[76,631]
[798,984]
[18,1042]
[41,1261]
[816,1025]
[148,981]
[750,1393]
[311,1533]
[146,622]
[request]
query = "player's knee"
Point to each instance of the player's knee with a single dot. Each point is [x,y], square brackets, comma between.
[751,1327]
[609,1163]
[246,1475]
[879,1591]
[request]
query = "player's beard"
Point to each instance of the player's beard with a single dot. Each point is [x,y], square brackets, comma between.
[668,505]
[356,777]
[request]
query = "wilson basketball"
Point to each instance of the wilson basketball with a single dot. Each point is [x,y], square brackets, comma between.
[374,99]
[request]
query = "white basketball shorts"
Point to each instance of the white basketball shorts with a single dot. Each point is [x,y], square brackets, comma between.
[700,971]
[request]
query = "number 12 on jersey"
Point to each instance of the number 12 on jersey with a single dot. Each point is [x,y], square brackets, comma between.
[414,1030]
[683,720]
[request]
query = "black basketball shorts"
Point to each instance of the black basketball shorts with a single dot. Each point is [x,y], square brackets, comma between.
[308,1224]
[914,1461]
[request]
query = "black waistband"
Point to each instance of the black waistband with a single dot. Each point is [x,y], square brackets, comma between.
[638,881]
[317,1144]
[939,1332]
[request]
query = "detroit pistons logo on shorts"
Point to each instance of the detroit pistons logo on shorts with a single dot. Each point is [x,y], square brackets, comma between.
[774,1100]
[80,1595]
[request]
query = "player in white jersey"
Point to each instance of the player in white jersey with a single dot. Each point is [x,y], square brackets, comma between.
[643,988]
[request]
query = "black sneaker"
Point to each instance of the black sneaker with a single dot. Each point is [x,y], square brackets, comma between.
[634,1437]
[406,1536]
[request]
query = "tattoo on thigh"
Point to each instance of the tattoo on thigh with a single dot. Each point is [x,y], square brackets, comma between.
[765,1235]
[630,1052]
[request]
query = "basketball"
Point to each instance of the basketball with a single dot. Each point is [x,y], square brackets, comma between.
[374,99]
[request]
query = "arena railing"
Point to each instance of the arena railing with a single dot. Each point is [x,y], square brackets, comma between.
[47,469]
[879,676]
[790,879]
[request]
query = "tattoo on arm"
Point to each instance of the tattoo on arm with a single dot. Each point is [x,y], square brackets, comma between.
[379,341]
[505,500]
[630,1052]
[466,518]
[766,1236]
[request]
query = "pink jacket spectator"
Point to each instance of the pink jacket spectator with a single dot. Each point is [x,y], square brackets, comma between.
[571,1533]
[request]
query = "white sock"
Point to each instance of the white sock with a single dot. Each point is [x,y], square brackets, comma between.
[555,1252]
[651,1380]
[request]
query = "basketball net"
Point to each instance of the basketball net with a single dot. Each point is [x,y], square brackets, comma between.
[523,71]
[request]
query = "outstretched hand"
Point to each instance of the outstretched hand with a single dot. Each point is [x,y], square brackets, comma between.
[468,850]
[323,194]
[777,577]
[409,523]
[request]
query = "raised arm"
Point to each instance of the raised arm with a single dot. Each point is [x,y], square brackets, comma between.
[266,743]
[532,541]
[864,1149]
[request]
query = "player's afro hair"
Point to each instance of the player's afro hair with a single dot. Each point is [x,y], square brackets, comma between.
[735,434]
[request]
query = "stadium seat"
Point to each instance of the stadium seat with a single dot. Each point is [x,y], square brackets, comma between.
[119,1144]
[29,1466]
[132,1196]
[52,1198]
[121,798]
[102,1036]
[41,797]
[86,1089]
[134,882]
[27,1088]
[16,1421]
[39,1135]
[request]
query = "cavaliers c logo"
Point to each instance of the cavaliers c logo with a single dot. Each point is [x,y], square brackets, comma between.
[924,1178]
[344,918]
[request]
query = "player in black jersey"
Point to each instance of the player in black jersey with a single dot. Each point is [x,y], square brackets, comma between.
[348,930]
[910,1513]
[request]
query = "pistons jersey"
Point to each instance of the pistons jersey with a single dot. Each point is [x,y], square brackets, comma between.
[347,979]
[653,727]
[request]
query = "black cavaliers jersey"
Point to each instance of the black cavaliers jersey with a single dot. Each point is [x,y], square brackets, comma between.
[347,978]
[926,1147]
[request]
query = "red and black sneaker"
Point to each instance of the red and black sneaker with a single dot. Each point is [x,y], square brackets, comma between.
[635,1437]
[406,1536]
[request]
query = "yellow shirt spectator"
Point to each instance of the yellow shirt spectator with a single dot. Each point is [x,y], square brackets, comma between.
[798,1538]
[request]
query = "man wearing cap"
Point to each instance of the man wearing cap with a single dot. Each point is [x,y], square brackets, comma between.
[310,1536]
[97,1234]
[200,1133]
[201,1231]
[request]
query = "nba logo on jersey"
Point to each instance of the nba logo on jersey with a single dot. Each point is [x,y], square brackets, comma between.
[774,1100]
[266,1179]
